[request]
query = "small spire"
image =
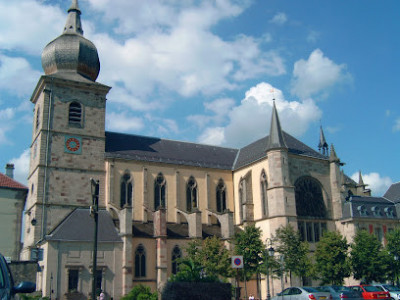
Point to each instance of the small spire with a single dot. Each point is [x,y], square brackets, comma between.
[333,157]
[323,145]
[360,179]
[73,24]
[275,139]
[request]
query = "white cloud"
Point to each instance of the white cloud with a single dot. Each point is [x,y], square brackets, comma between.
[21,165]
[396,126]
[122,122]
[376,183]
[180,53]
[317,75]
[16,75]
[28,25]
[251,119]
[279,18]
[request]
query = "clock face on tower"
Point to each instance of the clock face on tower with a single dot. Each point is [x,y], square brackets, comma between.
[73,144]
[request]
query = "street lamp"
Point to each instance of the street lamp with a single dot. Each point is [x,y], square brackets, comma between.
[270,252]
[94,212]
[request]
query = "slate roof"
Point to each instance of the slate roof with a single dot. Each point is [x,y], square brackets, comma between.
[150,149]
[173,230]
[369,207]
[78,226]
[393,193]
[9,183]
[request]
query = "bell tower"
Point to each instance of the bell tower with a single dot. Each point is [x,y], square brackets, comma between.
[68,137]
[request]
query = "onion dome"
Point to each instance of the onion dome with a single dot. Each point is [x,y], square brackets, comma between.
[71,52]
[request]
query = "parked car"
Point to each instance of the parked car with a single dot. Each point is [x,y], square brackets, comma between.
[370,292]
[339,292]
[7,287]
[302,293]
[394,291]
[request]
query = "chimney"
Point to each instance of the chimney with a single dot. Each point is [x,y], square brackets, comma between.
[10,170]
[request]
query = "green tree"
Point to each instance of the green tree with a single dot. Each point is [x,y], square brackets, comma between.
[192,271]
[140,292]
[295,251]
[368,262]
[393,248]
[248,244]
[331,258]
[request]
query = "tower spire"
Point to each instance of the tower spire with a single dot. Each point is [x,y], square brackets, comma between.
[323,145]
[275,139]
[73,24]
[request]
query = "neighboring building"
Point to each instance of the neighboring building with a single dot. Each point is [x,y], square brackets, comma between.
[12,201]
[158,194]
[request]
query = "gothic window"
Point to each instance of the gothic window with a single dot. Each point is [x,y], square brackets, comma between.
[176,254]
[191,194]
[73,276]
[242,199]
[126,190]
[221,196]
[159,191]
[309,198]
[264,196]
[75,114]
[140,261]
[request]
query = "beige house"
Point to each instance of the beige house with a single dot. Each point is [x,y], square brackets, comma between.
[12,201]
[158,194]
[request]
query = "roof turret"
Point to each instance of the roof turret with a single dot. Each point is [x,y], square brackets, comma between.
[71,53]
[276,139]
[323,145]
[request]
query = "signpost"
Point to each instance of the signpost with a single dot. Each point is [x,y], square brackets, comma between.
[237,263]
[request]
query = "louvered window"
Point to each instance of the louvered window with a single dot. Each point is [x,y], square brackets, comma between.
[75,113]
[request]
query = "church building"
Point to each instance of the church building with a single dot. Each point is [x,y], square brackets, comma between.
[157,194]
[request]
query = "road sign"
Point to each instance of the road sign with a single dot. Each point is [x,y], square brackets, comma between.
[237,262]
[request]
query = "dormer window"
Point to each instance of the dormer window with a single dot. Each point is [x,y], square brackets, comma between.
[361,209]
[75,114]
[376,210]
[388,212]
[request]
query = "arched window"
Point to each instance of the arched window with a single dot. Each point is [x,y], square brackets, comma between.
[126,190]
[191,194]
[140,261]
[75,114]
[242,199]
[221,196]
[309,198]
[159,191]
[264,195]
[176,253]
[37,118]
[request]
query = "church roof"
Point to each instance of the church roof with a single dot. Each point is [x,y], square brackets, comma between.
[79,227]
[369,207]
[143,148]
[393,193]
[9,183]
[150,149]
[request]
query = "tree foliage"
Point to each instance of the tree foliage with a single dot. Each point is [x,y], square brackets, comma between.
[248,244]
[295,251]
[368,262]
[140,292]
[393,249]
[331,258]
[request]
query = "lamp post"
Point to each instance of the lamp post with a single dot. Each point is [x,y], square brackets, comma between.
[94,212]
[270,253]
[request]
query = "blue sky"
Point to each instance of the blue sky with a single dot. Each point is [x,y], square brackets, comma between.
[207,71]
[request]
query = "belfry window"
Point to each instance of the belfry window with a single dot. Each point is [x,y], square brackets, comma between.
[75,114]
[264,196]
[191,194]
[140,261]
[176,254]
[126,190]
[159,191]
[221,196]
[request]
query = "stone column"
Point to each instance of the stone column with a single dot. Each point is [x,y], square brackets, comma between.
[160,234]
[127,255]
